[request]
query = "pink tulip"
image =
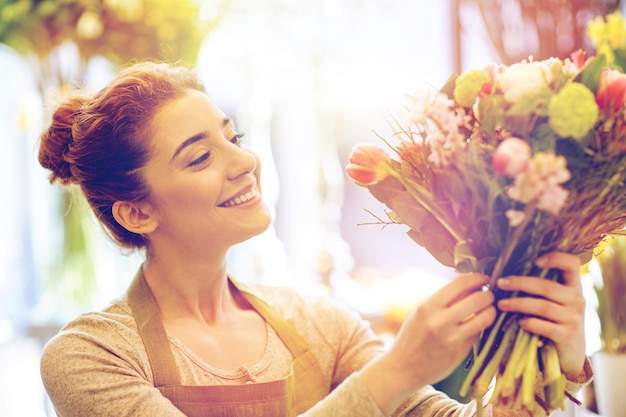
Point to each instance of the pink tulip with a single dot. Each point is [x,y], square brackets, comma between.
[579,58]
[492,70]
[368,164]
[511,157]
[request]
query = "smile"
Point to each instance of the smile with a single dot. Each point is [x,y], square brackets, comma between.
[240,199]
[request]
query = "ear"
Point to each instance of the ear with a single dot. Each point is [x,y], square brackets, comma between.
[135,217]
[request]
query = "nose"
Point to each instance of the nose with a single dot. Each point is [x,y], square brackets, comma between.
[242,161]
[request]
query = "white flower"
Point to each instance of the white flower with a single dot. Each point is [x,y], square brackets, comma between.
[519,79]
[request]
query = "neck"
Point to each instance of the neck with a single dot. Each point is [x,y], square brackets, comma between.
[190,290]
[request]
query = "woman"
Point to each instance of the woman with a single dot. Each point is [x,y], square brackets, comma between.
[164,170]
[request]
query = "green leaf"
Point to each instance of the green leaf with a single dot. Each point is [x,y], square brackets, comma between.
[492,114]
[448,87]
[543,138]
[590,74]
[532,102]
[620,59]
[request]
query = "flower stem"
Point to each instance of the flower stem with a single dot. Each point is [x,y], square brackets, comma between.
[510,244]
[479,361]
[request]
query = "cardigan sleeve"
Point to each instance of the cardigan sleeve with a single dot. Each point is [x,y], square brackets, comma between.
[355,344]
[331,327]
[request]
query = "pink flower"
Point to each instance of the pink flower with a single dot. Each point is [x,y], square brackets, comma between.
[445,136]
[511,157]
[368,164]
[552,199]
[579,58]
[541,182]
[611,90]
[492,70]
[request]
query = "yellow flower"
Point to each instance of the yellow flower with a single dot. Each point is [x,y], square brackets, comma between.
[573,111]
[608,35]
[616,30]
[468,85]
[596,30]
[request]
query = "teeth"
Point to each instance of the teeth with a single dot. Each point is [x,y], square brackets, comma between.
[240,199]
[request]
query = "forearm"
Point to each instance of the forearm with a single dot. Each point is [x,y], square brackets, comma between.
[382,379]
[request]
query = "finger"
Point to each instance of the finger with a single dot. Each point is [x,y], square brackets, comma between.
[470,306]
[459,288]
[569,265]
[541,327]
[540,287]
[537,307]
[544,296]
[473,325]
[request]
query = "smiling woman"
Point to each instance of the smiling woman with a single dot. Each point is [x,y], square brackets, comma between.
[164,170]
[198,173]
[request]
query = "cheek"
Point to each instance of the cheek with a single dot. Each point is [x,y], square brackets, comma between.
[180,197]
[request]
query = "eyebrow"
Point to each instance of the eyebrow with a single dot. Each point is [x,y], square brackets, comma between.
[195,138]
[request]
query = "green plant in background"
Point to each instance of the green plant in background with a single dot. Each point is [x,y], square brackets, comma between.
[611,292]
[118,30]
[44,32]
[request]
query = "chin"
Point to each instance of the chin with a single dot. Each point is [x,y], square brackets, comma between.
[260,224]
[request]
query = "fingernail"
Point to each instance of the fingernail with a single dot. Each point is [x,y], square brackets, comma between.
[541,262]
[504,283]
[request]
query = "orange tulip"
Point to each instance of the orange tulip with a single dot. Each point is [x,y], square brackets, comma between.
[368,164]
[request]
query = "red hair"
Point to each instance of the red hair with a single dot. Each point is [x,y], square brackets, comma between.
[102,142]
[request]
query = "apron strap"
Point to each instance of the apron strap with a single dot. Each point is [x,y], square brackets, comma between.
[310,384]
[146,312]
[285,330]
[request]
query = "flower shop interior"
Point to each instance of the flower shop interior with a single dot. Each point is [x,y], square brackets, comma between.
[305,80]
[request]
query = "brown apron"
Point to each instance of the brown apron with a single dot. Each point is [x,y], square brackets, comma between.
[288,397]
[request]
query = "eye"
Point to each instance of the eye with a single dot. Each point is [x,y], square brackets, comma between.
[205,156]
[236,140]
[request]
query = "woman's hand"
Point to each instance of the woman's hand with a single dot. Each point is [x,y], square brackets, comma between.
[558,313]
[432,341]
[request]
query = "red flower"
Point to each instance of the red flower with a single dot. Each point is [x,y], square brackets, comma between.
[611,91]
[368,164]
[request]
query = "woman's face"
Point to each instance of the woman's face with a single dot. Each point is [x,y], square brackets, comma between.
[204,182]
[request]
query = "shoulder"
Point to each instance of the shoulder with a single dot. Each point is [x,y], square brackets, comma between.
[326,323]
[299,304]
[97,366]
[113,322]
[96,339]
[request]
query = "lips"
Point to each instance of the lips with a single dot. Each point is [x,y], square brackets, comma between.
[240,199]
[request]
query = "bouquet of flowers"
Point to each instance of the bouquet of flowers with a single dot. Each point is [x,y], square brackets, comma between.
[500,166]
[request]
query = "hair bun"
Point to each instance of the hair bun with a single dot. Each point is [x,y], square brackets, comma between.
[55,151]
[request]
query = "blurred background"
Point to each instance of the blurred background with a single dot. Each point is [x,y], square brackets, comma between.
[304,79]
